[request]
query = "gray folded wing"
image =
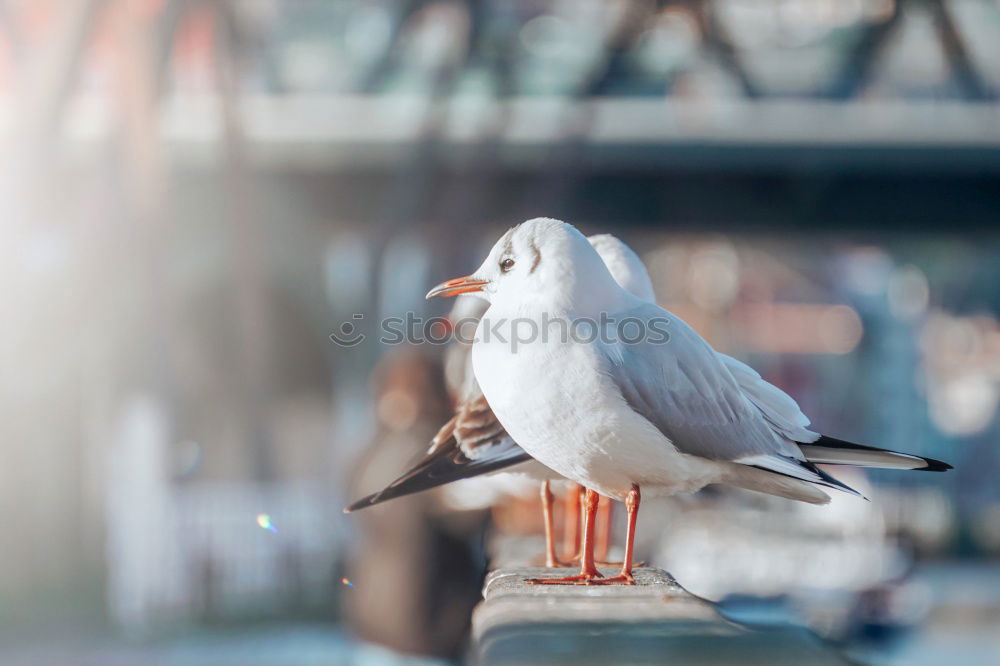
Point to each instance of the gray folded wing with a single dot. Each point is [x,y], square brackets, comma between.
[780,410]
[690,393]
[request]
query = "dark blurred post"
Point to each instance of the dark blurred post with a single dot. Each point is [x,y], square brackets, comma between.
[416,568]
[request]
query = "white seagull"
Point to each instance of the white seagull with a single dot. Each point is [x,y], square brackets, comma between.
[473,442]
[664,412]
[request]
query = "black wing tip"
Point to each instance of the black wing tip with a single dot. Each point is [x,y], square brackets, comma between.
[364,502]
[934,466]
[436,470]
[825,479]
[931,465]
[834,482]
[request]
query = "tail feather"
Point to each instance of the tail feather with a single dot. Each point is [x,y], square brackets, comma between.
[766,481]
[795,468]
[833,451]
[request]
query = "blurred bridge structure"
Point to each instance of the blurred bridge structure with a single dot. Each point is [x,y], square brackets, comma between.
[198,192]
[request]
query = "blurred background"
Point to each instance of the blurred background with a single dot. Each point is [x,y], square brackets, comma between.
[194,194]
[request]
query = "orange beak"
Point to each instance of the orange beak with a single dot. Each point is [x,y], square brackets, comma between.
[462,285]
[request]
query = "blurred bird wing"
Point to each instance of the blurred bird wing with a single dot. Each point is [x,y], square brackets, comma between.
[471,443]
[475,429]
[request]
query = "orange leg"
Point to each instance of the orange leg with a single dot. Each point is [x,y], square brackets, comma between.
[572,520]
[625,577]
[551,561]
[588,572]
[603,529]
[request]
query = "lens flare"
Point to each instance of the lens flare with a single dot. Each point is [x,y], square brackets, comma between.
[346,582]
[264,521]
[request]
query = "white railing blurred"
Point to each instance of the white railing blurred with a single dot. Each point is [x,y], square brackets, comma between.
[210,549]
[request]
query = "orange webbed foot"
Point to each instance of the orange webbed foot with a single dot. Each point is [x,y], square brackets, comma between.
[620,579]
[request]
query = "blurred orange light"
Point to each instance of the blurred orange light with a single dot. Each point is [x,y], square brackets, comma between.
[784,328]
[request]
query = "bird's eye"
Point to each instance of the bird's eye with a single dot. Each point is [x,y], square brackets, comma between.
[506,264]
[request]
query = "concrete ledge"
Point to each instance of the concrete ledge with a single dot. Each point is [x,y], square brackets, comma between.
[655,596]
[655,621]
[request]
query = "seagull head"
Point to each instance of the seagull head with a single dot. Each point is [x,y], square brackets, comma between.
[542,260]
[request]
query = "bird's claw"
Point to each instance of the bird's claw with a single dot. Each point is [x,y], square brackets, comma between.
[620,579]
